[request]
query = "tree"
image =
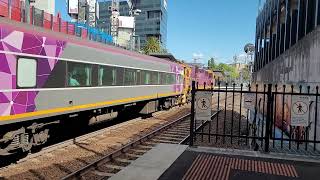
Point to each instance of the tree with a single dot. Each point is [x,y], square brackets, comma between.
[212,64]
[246,74]
[152,46]
[228,69]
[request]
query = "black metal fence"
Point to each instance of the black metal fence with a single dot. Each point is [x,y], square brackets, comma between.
[260,117]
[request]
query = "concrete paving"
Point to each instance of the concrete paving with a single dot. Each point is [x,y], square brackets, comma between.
[151,165]
[226,164]
[168,161]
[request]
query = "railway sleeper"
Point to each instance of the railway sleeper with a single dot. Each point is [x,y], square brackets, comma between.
[122,160]
[145,147]
[102,174]
[167,138]
[151,143]
[112,166]
[170,132]
[139,150]
[132,155]
[171,135]
[180,128]
[165,141]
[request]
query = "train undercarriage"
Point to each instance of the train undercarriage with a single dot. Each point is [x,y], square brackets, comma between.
[25,136]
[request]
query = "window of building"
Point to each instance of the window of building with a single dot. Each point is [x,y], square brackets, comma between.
[27,72]
[79,74]
[154,14]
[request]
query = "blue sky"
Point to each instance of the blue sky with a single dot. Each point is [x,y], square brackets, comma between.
[61,6]
[211,28]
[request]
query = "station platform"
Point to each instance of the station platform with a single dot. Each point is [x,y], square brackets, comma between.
[168,161]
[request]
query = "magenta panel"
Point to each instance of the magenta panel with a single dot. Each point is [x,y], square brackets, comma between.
[11,101]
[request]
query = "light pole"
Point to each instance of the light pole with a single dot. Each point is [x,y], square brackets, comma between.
[249,50]
[228,77]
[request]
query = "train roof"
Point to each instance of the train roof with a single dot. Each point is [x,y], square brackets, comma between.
[166,56]
[24,27]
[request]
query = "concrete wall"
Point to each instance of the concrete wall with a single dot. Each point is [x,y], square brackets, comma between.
[299,65]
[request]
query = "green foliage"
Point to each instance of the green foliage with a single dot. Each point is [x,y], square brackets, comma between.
[164,50]
[212,64]
[246,74]
[152,46]
[227,69]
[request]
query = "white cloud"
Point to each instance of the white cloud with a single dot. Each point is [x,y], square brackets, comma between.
[197,55]
[243,55]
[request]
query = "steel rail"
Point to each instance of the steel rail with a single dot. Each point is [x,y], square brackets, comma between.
[198,128]
[118,152]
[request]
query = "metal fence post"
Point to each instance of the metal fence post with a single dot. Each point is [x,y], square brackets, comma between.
[269,117]
[42,18]
[22,11]
[192,112]
[67,27]
[59,19]
[51,21]
[9,9]
[32,20]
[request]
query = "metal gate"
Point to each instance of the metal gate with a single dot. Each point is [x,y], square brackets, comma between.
[257,118]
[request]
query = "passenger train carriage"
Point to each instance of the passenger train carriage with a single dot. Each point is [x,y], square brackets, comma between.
[45,74]
[47,78]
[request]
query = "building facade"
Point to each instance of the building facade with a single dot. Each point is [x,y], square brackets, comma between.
[152,21]
[287,42]
[48,5]
[287,54]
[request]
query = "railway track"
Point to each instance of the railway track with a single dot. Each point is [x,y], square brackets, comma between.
[71,141]
[59,160]
[115,148]
[176,132]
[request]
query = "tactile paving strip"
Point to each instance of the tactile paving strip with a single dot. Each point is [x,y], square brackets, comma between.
[219,167]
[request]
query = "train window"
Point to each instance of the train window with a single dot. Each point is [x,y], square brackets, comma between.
[57,78]
[107,76]
[170,79]
[180,80]
[79,74]
[173,79]
[154,78]
[110,76]
[159,78]
[163,78]
[130,77]
[27,72]
[139,77]
[146,77]
[119,76]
